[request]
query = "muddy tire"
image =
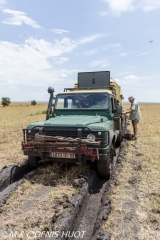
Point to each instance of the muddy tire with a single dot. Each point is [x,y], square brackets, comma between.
[118,140]
[33,162]
[124,121]
[103,168]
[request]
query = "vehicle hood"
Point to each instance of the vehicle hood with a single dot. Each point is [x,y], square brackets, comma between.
[93,122]
[76,120]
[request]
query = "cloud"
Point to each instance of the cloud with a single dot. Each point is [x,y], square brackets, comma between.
[117,7]
[49,49]
[33,62]
[142,54]
[150,5]
[112,45]
[18,18]
[132,77]
[30,64]
[105,48]
[59,31]
[91,52]
[141,80]
[120,5]
[91,38]
[2,2]
[101,64]
[12,87]
[132,81]
[60,60]
[117,80]
[124,54]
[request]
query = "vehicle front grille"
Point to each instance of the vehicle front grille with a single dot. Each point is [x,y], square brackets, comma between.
[28,134]
[55,133]
[69,132]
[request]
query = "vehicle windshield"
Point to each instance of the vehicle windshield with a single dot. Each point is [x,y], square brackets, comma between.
[82,100]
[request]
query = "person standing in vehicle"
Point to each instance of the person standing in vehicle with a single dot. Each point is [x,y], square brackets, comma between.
[135,115]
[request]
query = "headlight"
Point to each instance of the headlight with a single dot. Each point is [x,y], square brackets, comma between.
[91,137]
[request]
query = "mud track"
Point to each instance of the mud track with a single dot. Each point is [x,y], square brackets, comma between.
[10,178]
[90,207]
[87,209]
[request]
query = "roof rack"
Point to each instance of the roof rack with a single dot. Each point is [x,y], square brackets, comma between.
[88,88]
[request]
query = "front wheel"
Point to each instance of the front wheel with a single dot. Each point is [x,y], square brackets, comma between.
[118,140]
[104,166]
[33,161]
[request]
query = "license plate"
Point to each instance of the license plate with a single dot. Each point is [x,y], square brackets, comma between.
[63,155]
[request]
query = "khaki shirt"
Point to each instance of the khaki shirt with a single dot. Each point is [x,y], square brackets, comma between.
[136,114]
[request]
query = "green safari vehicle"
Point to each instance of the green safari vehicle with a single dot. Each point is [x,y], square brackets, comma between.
[83,123]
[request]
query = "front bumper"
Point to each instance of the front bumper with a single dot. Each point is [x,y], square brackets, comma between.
[39,143]
[45,149]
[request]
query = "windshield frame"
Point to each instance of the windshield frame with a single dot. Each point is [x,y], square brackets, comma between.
[103,96]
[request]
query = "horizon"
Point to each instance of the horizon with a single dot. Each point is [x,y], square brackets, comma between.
[123,102]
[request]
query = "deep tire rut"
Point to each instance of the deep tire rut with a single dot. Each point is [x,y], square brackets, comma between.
[10,178]
[90,209]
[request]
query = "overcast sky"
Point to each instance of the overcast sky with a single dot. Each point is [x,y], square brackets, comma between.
[47,42]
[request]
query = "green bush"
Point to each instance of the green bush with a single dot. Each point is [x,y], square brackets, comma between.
[33,102]
[5,101]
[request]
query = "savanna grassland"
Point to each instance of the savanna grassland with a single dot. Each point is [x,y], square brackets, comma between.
[135,198]
[12,119]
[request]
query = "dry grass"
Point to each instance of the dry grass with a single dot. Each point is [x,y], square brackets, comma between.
[143,196]
[13,119]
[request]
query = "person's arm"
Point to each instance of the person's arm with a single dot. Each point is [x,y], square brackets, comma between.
[128,111]
[132,108]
